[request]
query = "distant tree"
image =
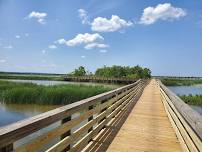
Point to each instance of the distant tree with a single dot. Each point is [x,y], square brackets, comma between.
[80,71]
[147,72]
[88,73]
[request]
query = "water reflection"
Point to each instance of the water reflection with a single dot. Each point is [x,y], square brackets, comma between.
[186,90]
[10,113]
[197,108]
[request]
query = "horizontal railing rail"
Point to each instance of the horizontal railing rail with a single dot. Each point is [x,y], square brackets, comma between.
[186,122]
[75,124]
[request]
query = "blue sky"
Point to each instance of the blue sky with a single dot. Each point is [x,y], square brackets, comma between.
[58,36]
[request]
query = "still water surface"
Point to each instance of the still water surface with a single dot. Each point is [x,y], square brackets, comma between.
[49,83]
[186,90]
[10,113]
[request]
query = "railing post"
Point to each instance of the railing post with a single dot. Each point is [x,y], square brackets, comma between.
[89,119]
[68,133]
[8,148]
[116,97]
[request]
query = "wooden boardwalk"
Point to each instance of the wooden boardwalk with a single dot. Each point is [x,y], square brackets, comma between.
[147,127]
[131,118]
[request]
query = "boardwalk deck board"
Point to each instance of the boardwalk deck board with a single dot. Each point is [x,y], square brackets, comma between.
[147,127]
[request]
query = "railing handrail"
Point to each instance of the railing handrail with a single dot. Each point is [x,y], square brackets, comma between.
[193,118]
[20,129]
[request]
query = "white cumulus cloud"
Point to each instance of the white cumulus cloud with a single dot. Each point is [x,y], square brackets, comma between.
[8,47]
[84,39]
[43,51]
[103,51]
[52,47]
[83,16]
[2,60]
[101,24]
[95,45]
[17,36]
[83,56]
[161,12]
[40,16]
[61,41]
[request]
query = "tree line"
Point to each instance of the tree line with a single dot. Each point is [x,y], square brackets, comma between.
[115,71]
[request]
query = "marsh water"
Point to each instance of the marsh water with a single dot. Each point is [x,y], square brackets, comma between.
[49,82]
[187,90]
[10,113]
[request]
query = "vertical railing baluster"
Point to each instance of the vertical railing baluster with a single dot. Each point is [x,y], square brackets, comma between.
[116,99]
[103,101]
[8,148]
[89,119]
[68,133]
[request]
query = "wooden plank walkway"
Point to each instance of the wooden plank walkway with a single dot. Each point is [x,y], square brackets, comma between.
[147,127]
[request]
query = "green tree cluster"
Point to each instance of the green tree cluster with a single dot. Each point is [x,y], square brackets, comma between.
[80,71]
[115,71]
[123,72]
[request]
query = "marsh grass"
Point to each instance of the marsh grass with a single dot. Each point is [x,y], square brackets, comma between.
[180,82]
[31,77]
[192,99]
[29,93]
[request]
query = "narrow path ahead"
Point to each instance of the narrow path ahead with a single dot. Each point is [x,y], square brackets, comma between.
[147,128]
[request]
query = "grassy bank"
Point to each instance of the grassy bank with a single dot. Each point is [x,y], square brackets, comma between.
[28,93]
[192,99]
[31,77]
[180,82]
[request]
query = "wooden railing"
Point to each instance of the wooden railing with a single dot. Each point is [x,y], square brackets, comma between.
[99,79]
[71,127]
[186,122]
